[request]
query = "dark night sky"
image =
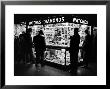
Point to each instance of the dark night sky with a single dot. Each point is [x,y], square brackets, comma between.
[91,18]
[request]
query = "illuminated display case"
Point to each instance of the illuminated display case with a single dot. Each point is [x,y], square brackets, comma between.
[58,35]
[55,55]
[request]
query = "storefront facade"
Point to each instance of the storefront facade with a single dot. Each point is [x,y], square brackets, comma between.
[57,32]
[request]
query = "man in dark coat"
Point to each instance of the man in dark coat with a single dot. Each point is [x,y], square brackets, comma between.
[40,47]
[16,48]
[74,49]
[28,45]
[86,48]
[22,47]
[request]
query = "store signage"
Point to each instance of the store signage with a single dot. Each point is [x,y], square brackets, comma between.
[59,20]
[80,21]
[35,22]
[62,19]
[38,22]
[54,20]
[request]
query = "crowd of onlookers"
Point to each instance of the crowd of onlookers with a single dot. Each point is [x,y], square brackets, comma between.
[23,45]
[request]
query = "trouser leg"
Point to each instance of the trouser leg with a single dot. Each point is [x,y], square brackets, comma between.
[74,62]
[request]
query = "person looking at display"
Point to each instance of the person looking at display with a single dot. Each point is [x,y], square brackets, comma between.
[86,47]
[94,45]
[22,47]
[40,47]
[74,49]
[28,45]
[16,49]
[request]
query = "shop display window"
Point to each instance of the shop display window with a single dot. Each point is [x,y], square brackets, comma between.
[55,55]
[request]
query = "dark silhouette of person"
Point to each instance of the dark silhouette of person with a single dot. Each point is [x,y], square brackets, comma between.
[40,47]
[86,49]
[94,46]
[22,47]
[28,45]
[16,49]
[74,49]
